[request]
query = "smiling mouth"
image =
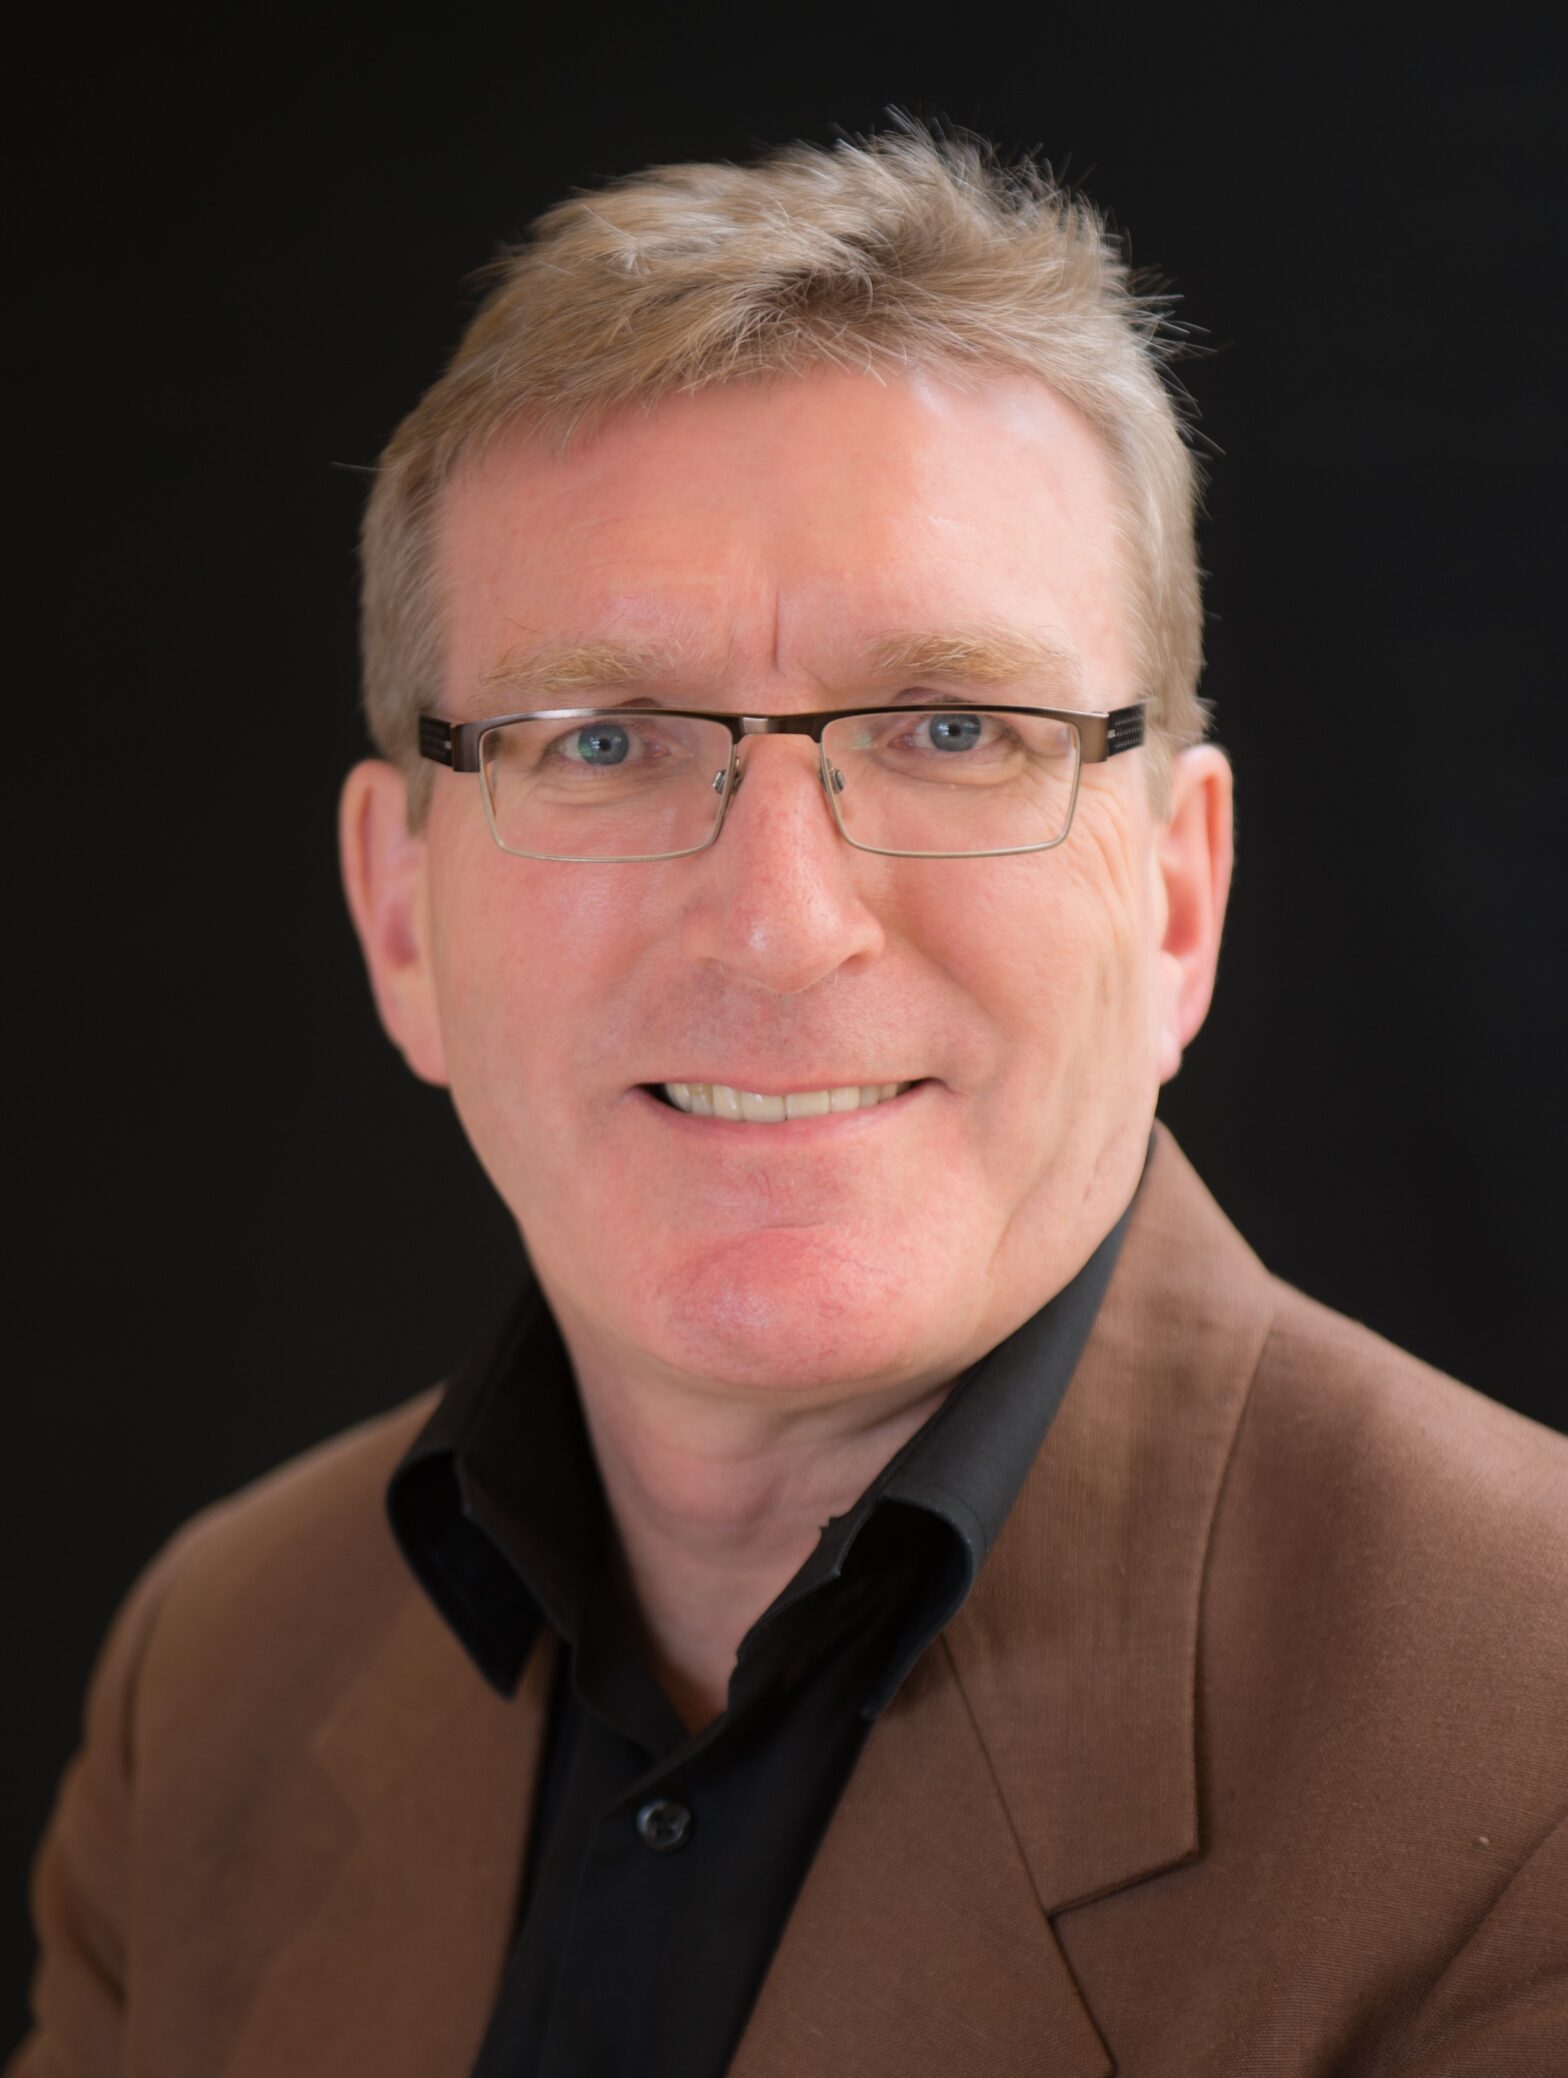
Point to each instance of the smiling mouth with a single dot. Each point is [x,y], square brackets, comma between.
[748,1107]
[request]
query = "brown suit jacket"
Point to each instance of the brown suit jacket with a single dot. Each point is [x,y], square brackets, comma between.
[1246,1755]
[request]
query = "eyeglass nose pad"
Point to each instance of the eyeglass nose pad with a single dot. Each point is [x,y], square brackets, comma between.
[837,779]
[720,777]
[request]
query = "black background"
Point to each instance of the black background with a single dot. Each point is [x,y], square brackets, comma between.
[244,1225]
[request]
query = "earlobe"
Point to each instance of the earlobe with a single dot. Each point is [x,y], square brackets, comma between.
[1195,856]
[384,878]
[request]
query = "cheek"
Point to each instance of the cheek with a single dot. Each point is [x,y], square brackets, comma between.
[1051,948]
[527,961]
[1115,882]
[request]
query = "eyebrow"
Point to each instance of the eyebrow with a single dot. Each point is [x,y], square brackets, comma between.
[976,656]
[571,667]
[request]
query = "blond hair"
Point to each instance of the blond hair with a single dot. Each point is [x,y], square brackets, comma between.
[899,251]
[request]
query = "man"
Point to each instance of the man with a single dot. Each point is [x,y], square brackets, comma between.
[905,1590]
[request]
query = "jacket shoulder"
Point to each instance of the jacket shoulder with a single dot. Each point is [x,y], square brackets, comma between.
[1399,1543]
[264,1602]
[1406,1439]
[310,1510]
[227,1652]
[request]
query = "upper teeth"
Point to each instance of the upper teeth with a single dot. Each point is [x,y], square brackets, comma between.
[718,1100]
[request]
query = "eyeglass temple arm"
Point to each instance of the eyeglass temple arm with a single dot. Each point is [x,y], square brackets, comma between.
[1124,730]
[457,745]
[435,741]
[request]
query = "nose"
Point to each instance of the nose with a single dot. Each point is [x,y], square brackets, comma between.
[779,900]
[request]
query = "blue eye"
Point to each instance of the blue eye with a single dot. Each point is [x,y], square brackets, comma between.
[954,731]
[603,743]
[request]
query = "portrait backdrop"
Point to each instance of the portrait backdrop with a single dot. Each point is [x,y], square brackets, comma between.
[244,1225]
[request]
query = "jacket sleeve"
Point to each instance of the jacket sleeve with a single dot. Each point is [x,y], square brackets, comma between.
[1500,2009]
[83,1873]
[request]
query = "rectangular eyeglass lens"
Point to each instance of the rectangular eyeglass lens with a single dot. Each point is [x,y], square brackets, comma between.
[639,784]
[965,779]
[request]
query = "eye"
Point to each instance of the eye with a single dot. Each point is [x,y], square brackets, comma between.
[596,743]
[952,731]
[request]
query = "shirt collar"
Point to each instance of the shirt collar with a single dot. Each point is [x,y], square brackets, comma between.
[496,1505]
[498,1509]
[962,1469]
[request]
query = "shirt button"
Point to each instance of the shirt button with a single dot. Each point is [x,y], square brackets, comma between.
[664,1825]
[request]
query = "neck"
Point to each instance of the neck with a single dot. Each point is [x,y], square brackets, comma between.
[717,1502]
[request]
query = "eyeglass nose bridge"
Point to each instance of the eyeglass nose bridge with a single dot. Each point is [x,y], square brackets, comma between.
[728,783]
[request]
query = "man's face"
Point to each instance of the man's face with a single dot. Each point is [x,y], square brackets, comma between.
[768,540]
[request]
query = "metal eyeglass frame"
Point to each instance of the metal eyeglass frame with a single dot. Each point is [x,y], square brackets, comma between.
[1101,735]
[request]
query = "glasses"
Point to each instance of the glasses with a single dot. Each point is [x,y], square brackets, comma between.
[599,786]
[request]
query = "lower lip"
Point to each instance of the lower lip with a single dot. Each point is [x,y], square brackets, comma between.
[752,1133]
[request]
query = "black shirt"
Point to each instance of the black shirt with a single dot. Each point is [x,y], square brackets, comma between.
[663,1864]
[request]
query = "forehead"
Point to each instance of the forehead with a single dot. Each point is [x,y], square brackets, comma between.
[782,530]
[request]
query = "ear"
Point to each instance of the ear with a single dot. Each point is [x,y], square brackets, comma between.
[385,868]
[1195,849]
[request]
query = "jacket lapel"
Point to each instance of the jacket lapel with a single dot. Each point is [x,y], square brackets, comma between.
[404,1919]
[1043,1752]
[917,1943]
[1078,1650]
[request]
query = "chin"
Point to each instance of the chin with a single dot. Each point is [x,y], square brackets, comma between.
[794,1311]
